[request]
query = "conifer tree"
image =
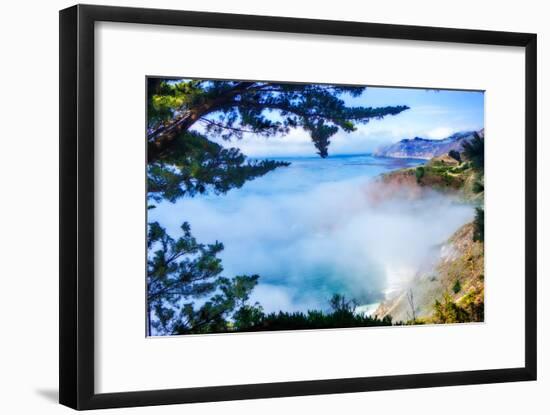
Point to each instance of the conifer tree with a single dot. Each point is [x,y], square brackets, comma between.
[186,292]
[474,150]
[231,108]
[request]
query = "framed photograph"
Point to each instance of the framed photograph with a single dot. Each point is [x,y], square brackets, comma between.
[258,207]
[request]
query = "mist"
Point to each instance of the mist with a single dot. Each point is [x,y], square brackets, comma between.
[313,229]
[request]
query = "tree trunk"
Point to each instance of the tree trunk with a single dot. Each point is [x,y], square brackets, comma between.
[160,140]
[148,319]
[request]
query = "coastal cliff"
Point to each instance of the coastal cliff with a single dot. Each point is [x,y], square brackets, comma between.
[443,174]
[423,148]
[449,286]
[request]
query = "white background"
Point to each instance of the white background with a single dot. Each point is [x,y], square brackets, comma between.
[29,208]
[279,357]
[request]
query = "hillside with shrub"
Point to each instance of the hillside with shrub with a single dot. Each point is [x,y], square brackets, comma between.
[447,290]
[454,173]
[449,287]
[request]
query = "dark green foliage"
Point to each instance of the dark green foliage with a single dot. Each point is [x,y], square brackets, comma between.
[193,165]
[455,155]
[339,303]
[216,314]
[479,184]
[179,270]
[457,287]
[467,310]
[316,320]
[474,150]
[247,317]
[479,225]
[164,97]
[230,108]
[461,168]
[342,315]
[475,309]
[419,173]
[447,311]
[447,179]
[478,187]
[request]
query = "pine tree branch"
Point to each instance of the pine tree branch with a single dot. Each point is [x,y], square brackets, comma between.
[226,127]
[161,138]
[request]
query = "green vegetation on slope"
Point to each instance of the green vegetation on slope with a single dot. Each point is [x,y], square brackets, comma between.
[454,281]
[341,315]
[462,280]
[444,174]
[452,291]
[459,174]
[464,302]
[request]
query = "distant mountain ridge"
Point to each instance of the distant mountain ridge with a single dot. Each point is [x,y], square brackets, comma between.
[423,148]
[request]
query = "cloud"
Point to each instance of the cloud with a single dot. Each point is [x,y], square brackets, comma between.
[366,139]
[432,114]
[432,110]
[440,133]
[296,143]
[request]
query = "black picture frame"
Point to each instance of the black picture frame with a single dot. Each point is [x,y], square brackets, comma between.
[76,280]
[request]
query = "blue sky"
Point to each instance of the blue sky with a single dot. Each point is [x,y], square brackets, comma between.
[433,114]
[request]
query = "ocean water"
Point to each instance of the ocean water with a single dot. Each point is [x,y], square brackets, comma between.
[312,229]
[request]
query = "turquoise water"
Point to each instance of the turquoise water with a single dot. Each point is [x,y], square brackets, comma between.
[305,173]
[311,230]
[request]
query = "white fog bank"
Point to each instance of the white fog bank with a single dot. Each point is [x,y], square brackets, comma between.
[311,230]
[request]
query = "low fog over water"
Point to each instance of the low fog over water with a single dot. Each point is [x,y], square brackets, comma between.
[313,229]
